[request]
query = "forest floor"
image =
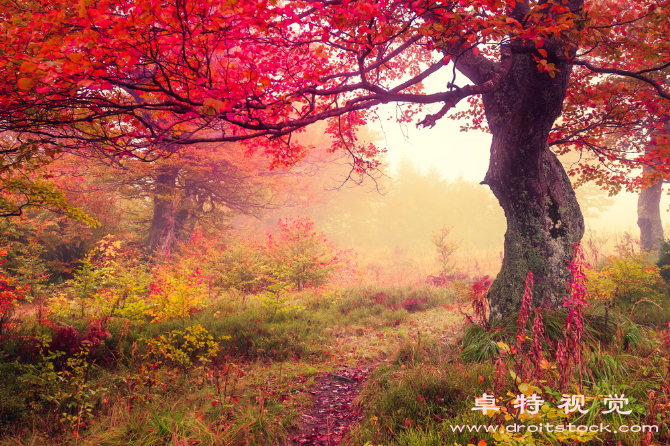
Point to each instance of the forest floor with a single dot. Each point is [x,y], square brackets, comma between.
[335,408]
[366,365]
[291,379]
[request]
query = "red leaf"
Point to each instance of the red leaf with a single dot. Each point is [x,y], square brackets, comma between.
[25,83]
[28,67]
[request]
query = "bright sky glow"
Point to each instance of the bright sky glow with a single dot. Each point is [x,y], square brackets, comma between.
[455,153]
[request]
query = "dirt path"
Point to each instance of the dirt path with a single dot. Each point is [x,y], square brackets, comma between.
[328,421]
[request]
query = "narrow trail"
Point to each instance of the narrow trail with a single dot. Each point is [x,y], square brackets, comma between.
[327,422]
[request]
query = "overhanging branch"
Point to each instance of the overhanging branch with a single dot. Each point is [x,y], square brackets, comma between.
[633,74]
[469,90]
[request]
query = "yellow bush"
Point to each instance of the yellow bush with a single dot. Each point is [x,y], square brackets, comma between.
[626,280]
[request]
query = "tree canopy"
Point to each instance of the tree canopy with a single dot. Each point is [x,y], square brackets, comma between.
[147,77]
[144,78]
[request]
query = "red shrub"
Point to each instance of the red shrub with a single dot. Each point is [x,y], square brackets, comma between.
[412,305]
[10,293]
[380,298]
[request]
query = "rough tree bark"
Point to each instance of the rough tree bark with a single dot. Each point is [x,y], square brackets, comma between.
[175,213]
[543,217]
[162,231]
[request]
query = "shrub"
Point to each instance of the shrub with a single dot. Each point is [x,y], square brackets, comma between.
[184,348]
[63,391]
[413,305]
[110,281]
[30,268]
[444,250]
[237,265]
[479,302]
[626,281]
[301,255]
[175,294]
[10,293]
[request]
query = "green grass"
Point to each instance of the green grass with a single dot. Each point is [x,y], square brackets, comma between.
[424,392]
[258,381]
[601,328]
[404,405]
[430,371]
[155,425]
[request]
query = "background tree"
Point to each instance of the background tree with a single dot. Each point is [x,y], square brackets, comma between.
[26,184]
[158,79]
[204,186]
[400,209]
[649,201]
[627,145]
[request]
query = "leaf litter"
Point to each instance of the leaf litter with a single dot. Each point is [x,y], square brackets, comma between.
[334,411]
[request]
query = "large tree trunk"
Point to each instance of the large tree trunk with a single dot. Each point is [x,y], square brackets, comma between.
[543,216]
[162,231]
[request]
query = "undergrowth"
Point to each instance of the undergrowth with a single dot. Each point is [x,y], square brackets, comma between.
[428,395]
[233,372]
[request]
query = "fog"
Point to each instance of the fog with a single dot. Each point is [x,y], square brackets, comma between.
[431,179]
